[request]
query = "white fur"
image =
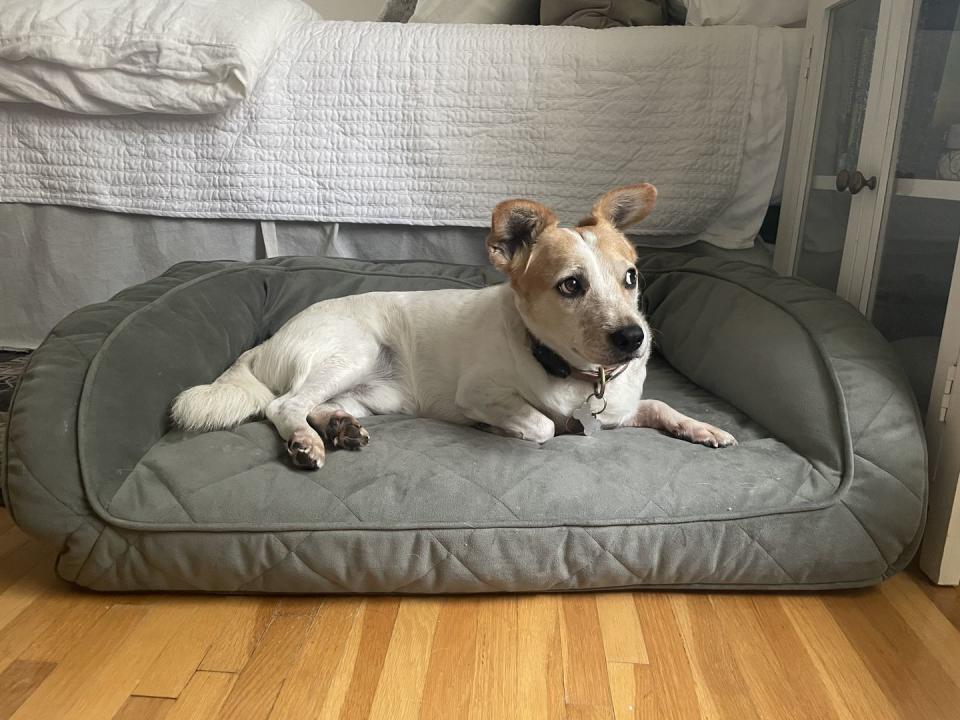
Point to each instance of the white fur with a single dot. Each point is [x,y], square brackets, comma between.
[230,399]
[457,355]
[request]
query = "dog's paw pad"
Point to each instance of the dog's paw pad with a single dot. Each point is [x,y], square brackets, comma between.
[344,431]
[306,452]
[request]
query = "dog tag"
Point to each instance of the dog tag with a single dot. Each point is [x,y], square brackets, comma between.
[587,416]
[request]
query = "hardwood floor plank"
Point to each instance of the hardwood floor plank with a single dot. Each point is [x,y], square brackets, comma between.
[258,684]
[73,676]
[670,686]
[720,685]
[540,657]
[494,687]
[623,690]
[23,560]
[111,683]
[186,649]
[11,539]
[18,682]
[144,708]
[589,712]
[637,695]
[779,675]
[72,614]
[622,634]
[854,694]
[306,688]
[453,654]
[203,696]
[237,639]
[379,618]
[909,675]
[403,676]
[33,621]
[343,675]
[937,634]
[947,599]
[30,586]
[585,679]
[299,605]
[809,688]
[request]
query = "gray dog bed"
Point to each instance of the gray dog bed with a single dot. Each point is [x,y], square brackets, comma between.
[826,489]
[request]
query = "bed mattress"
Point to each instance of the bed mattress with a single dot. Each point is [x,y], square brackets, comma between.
[827,487]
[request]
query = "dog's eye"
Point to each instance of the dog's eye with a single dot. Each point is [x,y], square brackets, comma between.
[570,287]
[630,280]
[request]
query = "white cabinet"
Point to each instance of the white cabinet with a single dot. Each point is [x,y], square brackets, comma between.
[871,205]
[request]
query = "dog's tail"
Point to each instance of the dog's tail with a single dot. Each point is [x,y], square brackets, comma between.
[229,400]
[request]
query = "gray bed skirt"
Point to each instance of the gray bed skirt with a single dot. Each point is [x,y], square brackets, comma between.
[54,260]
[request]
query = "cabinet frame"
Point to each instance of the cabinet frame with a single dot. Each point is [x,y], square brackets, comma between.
[865,236]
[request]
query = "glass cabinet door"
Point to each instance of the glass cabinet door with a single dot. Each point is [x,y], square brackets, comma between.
[851,34]
[921,232]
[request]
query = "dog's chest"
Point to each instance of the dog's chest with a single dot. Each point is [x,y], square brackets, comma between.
[560,400]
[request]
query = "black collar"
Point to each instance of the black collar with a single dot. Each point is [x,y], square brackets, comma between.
[555,365]
[549,360]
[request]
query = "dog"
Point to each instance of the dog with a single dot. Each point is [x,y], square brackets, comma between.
[561,347]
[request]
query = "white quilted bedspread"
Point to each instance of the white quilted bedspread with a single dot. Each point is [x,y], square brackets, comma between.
[421,124]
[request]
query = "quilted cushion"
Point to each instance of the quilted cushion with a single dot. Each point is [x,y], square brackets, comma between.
[826,489]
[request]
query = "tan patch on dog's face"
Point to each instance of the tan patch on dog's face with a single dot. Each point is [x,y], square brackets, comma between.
[598,258]
[576,287]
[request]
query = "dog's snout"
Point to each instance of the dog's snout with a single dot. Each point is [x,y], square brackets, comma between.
[628,338]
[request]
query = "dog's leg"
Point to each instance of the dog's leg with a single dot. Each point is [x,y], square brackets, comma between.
[299,414]
[660,416]
[288,413]
[504,412]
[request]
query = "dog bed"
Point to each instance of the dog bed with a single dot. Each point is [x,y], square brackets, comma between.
[826,489]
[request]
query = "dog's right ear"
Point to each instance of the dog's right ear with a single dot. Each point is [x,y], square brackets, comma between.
[513,231]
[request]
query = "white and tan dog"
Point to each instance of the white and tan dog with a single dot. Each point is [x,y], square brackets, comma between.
[518,359]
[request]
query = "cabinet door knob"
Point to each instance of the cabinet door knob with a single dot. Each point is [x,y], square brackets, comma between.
[843,180]
[858,182]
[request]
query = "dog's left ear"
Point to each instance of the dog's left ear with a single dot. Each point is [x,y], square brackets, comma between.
[514,229]
[624,206]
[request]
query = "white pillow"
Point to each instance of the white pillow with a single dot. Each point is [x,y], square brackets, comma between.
[117,56]
[502,12]
[765,13]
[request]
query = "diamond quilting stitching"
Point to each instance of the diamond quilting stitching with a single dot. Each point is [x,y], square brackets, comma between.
[294,552]
[756,543]
[593,560]
[463,564]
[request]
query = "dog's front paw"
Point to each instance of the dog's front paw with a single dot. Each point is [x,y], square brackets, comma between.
[306,450]
[345,431]
[539,430]
[704,434]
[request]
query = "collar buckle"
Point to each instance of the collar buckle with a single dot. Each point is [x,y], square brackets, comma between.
[601,385]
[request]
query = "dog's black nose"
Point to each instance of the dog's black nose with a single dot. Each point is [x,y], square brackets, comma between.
[628,338]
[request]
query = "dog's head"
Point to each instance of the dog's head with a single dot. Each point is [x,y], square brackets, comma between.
[576,288]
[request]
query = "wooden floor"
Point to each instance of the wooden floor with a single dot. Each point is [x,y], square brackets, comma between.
[889,652]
